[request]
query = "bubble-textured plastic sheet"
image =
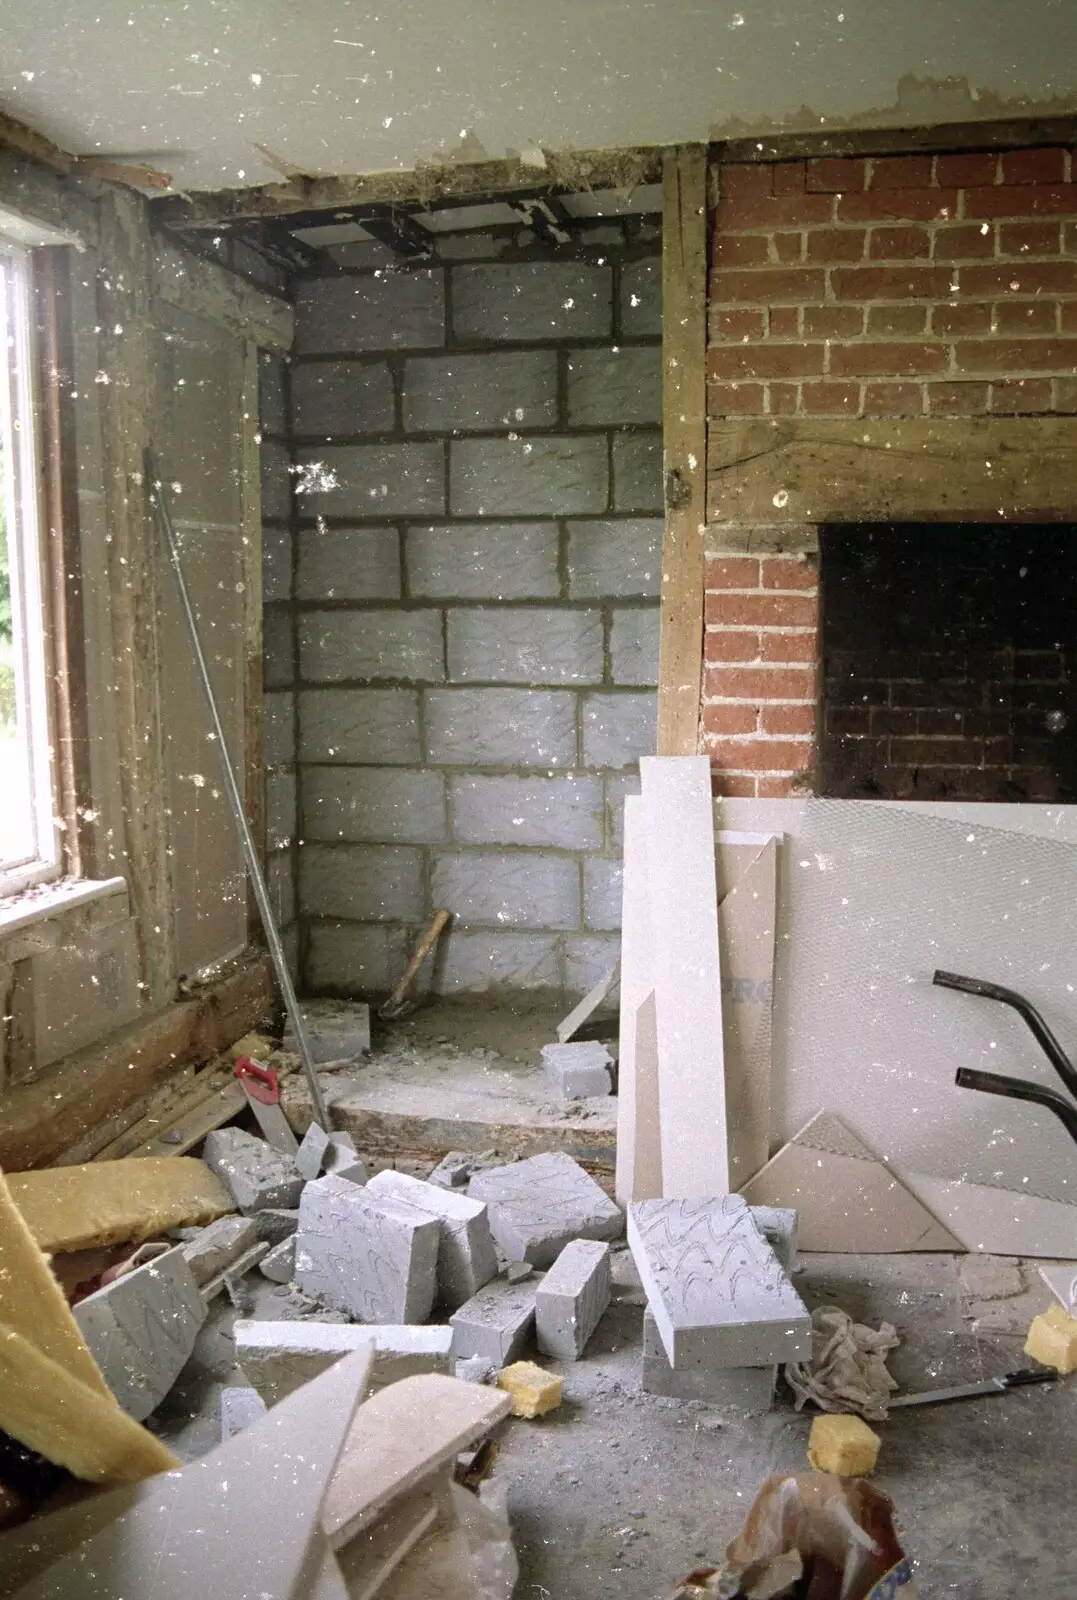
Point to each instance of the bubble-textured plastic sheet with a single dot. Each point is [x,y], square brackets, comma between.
[873,898]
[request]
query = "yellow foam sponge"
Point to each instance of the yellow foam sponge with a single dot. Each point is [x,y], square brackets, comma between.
[1052,1339]
[843,1445]
[533,1391]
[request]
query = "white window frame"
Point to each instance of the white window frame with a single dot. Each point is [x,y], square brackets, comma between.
[20,422]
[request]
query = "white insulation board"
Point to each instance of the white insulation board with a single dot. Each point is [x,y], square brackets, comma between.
[873,897]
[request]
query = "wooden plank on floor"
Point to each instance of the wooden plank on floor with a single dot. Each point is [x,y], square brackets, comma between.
[684,445]
[681,876]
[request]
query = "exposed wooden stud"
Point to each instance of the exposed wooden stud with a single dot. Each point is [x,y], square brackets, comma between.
[684,435]
[473,182]
[788,471]
[253,696]
[128,356]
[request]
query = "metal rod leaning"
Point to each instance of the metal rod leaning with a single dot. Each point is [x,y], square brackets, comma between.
[159,498]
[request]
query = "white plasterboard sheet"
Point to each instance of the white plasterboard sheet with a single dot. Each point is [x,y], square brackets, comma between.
[746,919]
[679,825]
[639,1153]
[873,897]
[844,1198]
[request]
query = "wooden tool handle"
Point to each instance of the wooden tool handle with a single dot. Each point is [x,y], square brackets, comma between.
[429,940]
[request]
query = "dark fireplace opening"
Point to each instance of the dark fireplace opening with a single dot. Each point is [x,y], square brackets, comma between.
[948,662]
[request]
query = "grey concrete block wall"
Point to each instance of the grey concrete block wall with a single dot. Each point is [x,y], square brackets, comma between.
[468,645]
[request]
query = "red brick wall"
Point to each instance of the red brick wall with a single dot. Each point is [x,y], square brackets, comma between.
[761,615]
[896,287]
[900,286]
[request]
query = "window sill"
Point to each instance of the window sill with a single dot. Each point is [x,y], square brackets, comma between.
[47,900]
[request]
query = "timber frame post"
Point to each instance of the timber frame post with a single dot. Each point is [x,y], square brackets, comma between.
[684,445]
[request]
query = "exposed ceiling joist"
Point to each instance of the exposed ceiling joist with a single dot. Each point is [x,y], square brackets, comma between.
[399,230]
[567,171]
[547,217]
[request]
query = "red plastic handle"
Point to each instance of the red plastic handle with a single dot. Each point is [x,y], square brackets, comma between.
[260,1082]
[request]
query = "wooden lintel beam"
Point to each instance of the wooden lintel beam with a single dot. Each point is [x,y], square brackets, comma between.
[1014,133]
[684,440]
[471,183]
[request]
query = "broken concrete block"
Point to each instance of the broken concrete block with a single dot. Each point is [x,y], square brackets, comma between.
[844,1445]
[240,1406]
[216,1247]
[325,1152]
[572,1298]
[533,1391]
[278,1265]
[355,1171]
[141,1330]
[453,1170]
[336,1030]
[713,1283]
[518,1271]
[1052,1339]
[778,1225]
[474,1369]
[311,1152]
[273,1224]
[253,1172]
[230,1278]
[279,1357]
[374,1257]
[578,1071]
[540,1205]
[734,1388]
[495,1323]
[466,1255]
[341,1153]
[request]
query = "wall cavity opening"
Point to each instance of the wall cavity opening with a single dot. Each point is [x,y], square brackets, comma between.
[949,658]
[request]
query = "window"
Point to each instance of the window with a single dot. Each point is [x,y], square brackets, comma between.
[29,838]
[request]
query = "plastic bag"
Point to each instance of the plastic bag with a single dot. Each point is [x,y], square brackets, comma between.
[811,1536]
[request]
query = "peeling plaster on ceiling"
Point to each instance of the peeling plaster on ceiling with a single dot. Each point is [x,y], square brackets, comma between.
[226,93]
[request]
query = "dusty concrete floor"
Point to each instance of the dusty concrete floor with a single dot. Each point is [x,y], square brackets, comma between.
[618,1494]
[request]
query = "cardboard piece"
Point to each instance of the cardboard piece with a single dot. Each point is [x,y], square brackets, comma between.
[569,1026]
[747,882]
[639,1149]
[373,1555]
[846,1200]
[113,1202]
[681,879]
[998,1222]
[403,1433]
[156,1538]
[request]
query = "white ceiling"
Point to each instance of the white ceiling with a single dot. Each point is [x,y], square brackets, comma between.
[227,93]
